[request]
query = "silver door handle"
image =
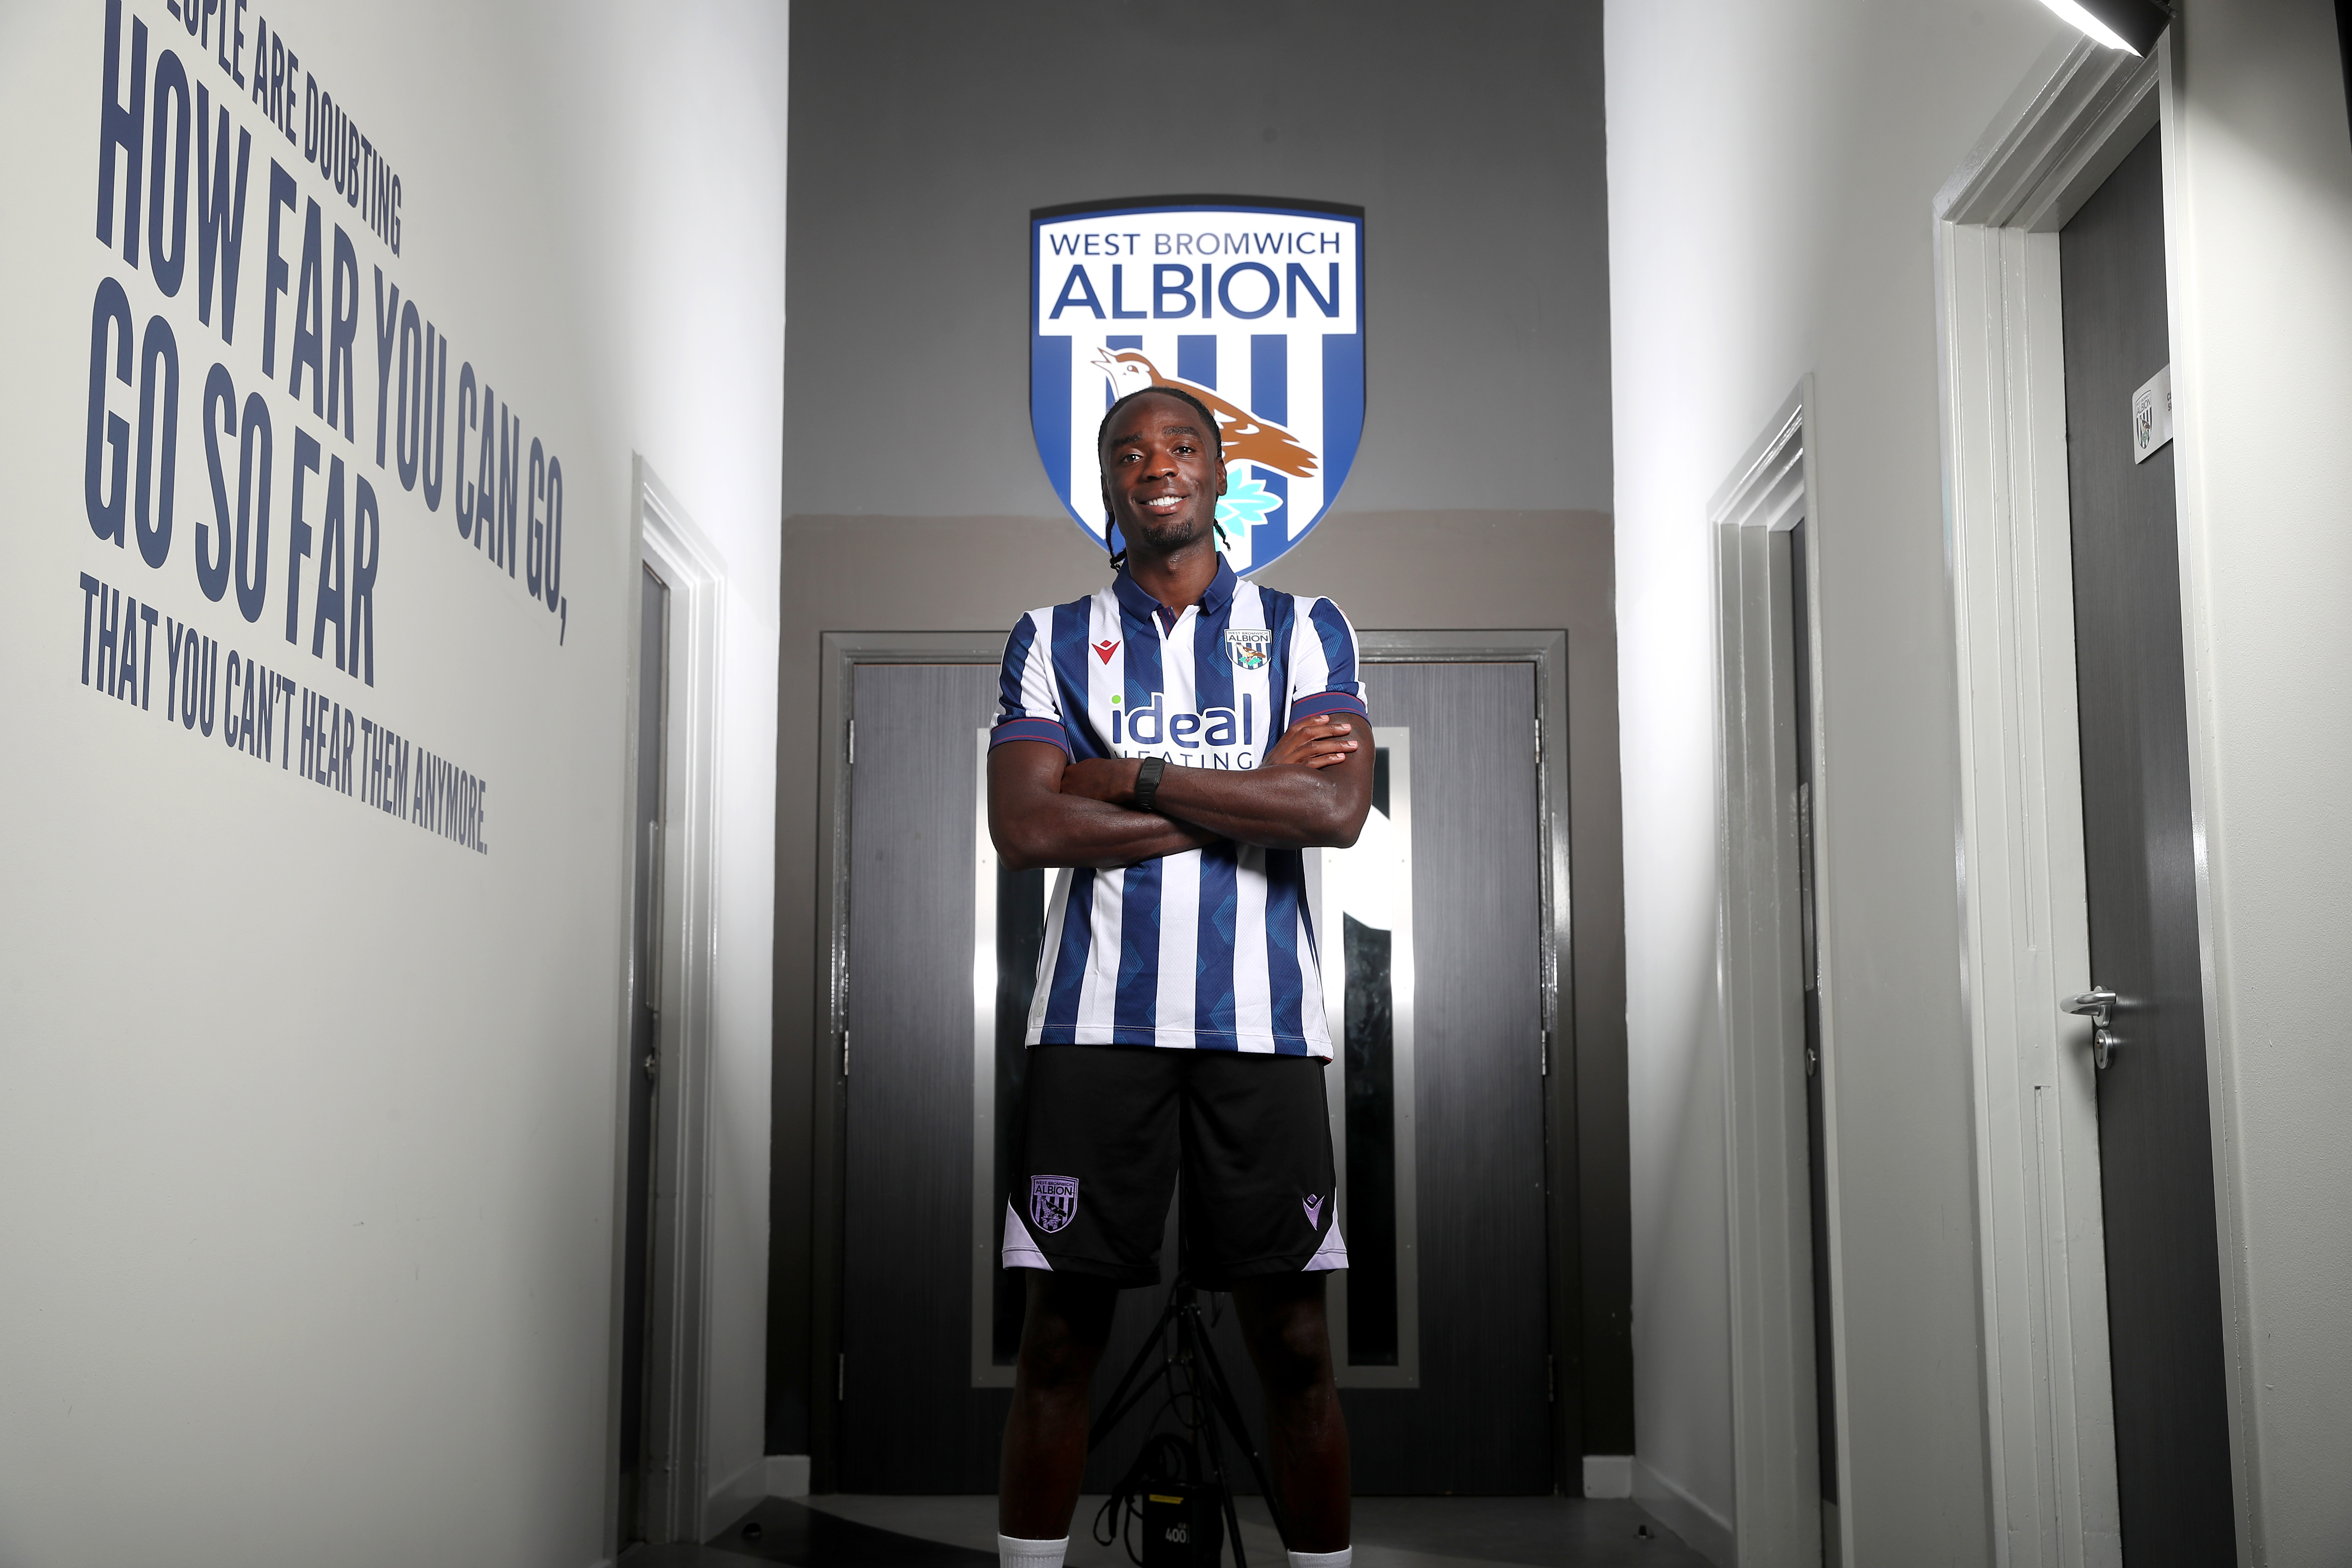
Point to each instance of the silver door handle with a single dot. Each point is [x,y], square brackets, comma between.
[2098,1005]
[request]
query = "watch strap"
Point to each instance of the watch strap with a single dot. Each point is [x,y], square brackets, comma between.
[1146,782]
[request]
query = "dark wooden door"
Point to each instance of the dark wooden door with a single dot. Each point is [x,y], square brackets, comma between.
[1817,1180]
[914,1416]
[644,1040]
[1480,1420]
[2156,1152]
[911,1420]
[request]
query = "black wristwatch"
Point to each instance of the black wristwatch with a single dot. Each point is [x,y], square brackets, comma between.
[1146,780]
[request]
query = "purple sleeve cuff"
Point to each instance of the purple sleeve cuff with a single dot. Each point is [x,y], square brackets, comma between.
[1046,729]
[1328,702]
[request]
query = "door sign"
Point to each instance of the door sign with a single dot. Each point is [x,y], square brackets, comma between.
[1254,308]
[2152,415]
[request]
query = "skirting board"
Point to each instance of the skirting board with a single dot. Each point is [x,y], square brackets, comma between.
[1608,1474]
[1706,1532]
[788,1475]
[734,1497]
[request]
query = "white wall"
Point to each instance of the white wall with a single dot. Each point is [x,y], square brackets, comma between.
[306,1159]
[697,274]
[2264,326]
[1770,177]
[1770,170]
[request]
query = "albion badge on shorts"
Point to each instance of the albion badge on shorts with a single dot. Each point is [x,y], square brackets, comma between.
[1053,1202]
[1247,647]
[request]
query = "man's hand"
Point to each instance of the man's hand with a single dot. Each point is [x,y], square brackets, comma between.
[1043,812]
[1317,743]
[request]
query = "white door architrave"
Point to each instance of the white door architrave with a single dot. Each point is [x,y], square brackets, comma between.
[2024,928]
[676,1497]
[1777,1513]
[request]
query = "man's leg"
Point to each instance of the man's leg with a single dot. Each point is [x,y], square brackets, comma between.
[1062,1339]
[1282,1319]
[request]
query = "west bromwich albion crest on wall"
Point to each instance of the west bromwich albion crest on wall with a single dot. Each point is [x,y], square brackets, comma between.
[1256,307]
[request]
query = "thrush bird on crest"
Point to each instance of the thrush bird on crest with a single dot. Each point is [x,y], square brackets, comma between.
[1247,439]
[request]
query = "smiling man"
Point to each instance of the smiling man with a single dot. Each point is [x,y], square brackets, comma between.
[1173,743]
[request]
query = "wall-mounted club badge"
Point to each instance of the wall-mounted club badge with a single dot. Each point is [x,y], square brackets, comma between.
[1254,308]
[1246,645]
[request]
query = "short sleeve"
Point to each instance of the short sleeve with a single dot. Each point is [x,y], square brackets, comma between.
[1323,676]
[1029,707]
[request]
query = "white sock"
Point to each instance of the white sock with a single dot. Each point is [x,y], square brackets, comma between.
[1014,1552]
[1339,1559]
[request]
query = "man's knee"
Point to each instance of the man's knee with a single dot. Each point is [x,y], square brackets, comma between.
[1296,1357]
[1289,1340]
[1067,1323]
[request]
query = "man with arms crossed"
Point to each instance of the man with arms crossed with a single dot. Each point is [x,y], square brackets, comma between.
[1179,1014]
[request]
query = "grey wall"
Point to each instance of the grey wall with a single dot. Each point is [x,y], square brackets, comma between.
[922,135]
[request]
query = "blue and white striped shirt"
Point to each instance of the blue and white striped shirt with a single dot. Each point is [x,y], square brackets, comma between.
[1214,948]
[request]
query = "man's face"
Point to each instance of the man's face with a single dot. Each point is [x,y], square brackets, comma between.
[1162,477]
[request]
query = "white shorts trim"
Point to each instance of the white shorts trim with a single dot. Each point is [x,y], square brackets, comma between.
[1332,1253]
[1021,1247]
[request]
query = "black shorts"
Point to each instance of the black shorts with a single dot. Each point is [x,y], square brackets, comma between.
[1107,1129]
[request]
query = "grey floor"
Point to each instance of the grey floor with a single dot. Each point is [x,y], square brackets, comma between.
[853,1531]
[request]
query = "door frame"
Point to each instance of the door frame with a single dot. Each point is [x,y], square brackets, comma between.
[1545,651]
[1777,1512]
[2024,934]
[677,1494]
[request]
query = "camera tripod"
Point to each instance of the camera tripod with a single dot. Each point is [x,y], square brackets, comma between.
[1180,1339]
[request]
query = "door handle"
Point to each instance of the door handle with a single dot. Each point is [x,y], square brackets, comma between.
[2098,1005]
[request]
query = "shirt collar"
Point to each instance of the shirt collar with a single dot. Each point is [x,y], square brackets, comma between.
[1213,599]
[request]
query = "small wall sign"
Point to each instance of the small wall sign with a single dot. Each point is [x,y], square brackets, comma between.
[2152,415]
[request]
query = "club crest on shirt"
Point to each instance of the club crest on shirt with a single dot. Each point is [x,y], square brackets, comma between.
[1053,1202]
[1253,308]
[1247,646]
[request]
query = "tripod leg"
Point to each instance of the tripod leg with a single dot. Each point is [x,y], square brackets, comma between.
[1221,1398]
[1226,1495]
[1122,1399]
[1194,1340]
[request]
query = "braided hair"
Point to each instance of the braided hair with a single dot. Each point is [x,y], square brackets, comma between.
[1208,421]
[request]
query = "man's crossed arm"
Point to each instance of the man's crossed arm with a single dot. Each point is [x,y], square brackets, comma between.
[1313,789]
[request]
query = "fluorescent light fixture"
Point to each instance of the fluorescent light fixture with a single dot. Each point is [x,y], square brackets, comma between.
[2131,26]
